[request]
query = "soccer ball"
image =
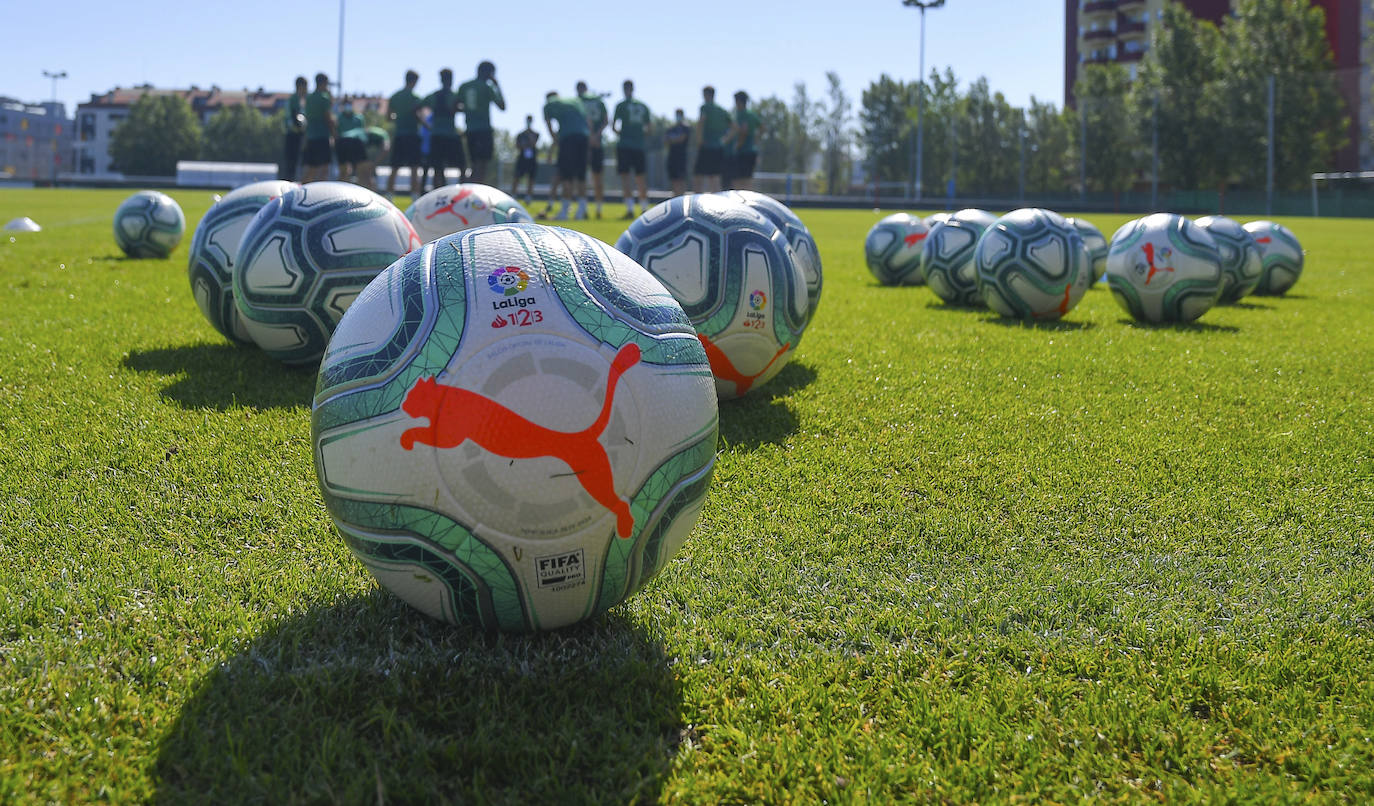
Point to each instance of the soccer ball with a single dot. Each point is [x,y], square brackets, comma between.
[1281,254]
[947,258]
[935,218]
[1097,247]
[305,257]
[514,427]
[1241,264]
[1164,268]
[214,246]
[454,208]
[735,276]
[149,224]
[803,245]
[1032,264]
[893,249]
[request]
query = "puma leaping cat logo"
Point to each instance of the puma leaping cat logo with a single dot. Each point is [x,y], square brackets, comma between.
[723,368]
[457,415]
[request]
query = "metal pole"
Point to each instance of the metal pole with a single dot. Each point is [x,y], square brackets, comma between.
[1083,149]
[1154,155]
[54,75]
[1021,171]
[920,106]
[1315,213]
[1269,182]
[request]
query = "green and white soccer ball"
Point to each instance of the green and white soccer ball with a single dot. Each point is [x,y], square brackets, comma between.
[1032,264]
[1281,255]
[935,218]
[305,257]
[1241,264]
[514,427]
[149,224]
[215,247]
[454,208]
[893,249]
[734,274]
[1097,247]
[1164,268]
[804,249]
[947,258]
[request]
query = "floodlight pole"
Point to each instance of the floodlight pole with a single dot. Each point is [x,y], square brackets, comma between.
[54,75]
[920,86]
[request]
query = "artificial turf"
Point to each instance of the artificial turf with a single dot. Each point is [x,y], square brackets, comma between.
[945,557]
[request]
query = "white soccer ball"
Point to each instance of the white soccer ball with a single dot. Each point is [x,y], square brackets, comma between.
[514,427]
[149,224]
[947,258]
[893,249]
[454,208]
[1281,254]
[1241,263]
[1097,246]
[804,248]
[1164,268]
[935,218]
[736,277]
[305,257]
[214,248]
[1032,264]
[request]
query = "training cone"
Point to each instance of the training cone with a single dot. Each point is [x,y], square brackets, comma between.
[24,224]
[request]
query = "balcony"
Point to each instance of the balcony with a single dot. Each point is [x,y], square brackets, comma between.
[1127,6]
[1091,7]
[1130,29]
[1100,35]
[1127,56]
[1098,58]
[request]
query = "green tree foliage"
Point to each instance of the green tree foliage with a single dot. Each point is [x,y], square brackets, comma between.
[836,134]
[804,136]
[240,133]
[160,130]
[1047,148]
[1105,117]
[1285,39]
[1179,74]
[988,131]
[885,129]
[772,142]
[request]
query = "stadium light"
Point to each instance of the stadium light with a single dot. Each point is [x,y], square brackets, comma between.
[54,75]
[920,79]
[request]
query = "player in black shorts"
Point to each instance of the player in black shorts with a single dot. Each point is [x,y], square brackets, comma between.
[596,154]
[526,159]
[677,136]
[404,107]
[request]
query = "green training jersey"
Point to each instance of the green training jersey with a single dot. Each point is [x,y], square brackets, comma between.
[351,125]
[477,97]
[715,122]
[443,104]
[403,105]
[317,106]
[295,109]
[633,117]
[571,117]
[750,118]
[595,109]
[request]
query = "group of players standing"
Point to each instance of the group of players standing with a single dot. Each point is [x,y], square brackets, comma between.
[726,142]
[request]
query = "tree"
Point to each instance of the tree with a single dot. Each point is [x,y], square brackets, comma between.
[1112,133]
[939,115]
[1284,39]
[886,129]
[240,133]
[1179,75]
[1047,148]
[804,139]
[989,131]
[160,130]
[777,125]
[834,114]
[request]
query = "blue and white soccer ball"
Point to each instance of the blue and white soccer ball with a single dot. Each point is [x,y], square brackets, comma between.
[305,257]
[736,277]
[1097,246]
[947,258]
[1241,263]
[149,224]
[1281,254]
[214,249]
[454,208]
[1164,268]
[804,248]
[514,427]
[893,249]
[1032,264]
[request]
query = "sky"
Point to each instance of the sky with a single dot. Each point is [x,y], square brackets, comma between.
[669,50]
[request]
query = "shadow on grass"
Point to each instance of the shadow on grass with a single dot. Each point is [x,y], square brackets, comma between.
[1186,327]
[763,416]
[1248,306]
[1040,324]
[940,305]
[368,701]
[221,376]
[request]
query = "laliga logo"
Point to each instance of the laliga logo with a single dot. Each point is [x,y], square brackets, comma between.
[757,300]
[508,281]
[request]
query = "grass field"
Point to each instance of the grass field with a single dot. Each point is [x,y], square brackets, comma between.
[945,557]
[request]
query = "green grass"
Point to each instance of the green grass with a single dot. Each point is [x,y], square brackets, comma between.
[945,557]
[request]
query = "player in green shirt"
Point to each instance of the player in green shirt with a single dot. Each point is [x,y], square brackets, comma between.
[746,125]
[631,123]
[404,108]
[476,97]
[319,126]
[713,123]
[596,155]
[293,128]
[445,147]
[351,146]
[571,140]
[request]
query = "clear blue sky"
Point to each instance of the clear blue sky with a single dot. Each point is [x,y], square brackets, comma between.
[669,49]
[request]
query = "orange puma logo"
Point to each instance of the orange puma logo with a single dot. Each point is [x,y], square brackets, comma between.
[1149,249]
[457,415]
[1063,306]
[448,208]
[722,367]
[914,238]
